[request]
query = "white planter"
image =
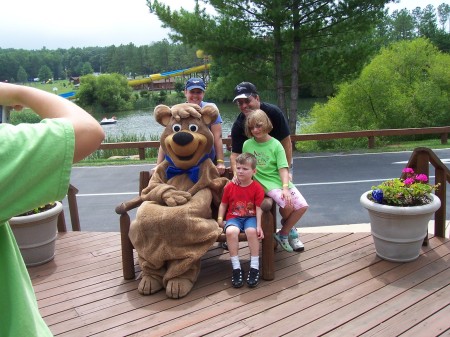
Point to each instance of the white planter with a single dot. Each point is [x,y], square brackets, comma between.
[398,232]
[36,234]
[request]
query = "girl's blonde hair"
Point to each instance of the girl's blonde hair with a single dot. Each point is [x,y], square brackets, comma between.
[257,117]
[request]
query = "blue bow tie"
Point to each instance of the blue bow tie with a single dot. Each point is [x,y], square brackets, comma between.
[192,172]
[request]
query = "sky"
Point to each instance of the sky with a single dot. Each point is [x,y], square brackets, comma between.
[53,24]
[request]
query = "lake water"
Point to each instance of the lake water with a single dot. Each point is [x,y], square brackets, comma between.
[142,123]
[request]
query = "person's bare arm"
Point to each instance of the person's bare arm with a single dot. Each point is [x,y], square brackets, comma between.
[88,132]
[216,130]
[233,157]
[287,145]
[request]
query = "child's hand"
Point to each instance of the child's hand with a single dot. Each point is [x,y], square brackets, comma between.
[287,196]
[260,233]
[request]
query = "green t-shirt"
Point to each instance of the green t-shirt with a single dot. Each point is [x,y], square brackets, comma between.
[270,158]
[36,160]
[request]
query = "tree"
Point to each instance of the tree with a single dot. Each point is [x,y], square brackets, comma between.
[407,85]
[444,15]
[266,39]
[402,25]
[106,93]
[45,73]
[22,76]
[86,69]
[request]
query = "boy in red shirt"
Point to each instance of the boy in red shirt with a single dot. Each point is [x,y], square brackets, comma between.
[242,204]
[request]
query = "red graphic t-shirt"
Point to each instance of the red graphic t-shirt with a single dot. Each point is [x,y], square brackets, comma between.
[242,201]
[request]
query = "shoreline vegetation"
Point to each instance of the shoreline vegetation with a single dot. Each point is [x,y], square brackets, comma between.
[130,156]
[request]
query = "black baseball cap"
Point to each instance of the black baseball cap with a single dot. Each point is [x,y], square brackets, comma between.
[244,90]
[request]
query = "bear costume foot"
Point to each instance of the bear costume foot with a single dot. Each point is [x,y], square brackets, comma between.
[178,287]
[149,285]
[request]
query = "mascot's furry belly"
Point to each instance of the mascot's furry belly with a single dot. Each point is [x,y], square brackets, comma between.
[179,234]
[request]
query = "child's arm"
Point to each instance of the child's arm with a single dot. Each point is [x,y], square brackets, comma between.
[284,176]
[221,214]
[259,231]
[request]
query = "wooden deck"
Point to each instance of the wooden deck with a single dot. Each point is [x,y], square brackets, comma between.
[337,287]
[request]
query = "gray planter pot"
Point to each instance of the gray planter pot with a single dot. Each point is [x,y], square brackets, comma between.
[36,234]
[398,232]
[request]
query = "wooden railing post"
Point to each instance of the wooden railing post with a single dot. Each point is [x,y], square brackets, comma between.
[422,165]
[73,207]
[141,153]
[371,142]
[441,192]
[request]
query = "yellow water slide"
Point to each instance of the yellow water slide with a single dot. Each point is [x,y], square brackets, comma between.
[175,73]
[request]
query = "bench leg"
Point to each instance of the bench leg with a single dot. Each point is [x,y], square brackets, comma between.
[127,248]
[268,253]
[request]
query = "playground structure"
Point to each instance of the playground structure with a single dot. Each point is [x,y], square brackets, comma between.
[166,75]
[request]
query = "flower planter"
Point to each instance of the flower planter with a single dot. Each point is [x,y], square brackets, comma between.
[36,234]
[398,232]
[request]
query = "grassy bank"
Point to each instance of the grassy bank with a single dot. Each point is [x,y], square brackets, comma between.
[130,159]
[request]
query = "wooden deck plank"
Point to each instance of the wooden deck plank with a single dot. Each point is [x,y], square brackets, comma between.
[300,310]
[371,307]
[429,305]
[435,325]
[140,306]
[337,284]
[191,312]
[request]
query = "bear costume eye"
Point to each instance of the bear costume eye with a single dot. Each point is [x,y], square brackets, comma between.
[176,127]
[193,127]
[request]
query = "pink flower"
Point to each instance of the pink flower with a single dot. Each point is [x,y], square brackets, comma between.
[408,170]
[409,181]
[422,177]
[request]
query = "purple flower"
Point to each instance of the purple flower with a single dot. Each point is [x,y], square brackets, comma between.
[409,181]
[422,177]
[408,170]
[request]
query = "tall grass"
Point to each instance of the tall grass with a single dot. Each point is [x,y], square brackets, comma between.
[126,153]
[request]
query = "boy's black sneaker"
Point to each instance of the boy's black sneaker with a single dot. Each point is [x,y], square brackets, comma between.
[253,277]
[237,279]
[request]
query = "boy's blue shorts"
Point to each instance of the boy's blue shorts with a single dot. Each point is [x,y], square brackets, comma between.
[241,222]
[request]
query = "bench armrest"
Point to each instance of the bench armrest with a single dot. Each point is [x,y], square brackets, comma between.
[128,205]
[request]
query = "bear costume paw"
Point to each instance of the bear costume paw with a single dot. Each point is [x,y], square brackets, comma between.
[149,285]
[178,287]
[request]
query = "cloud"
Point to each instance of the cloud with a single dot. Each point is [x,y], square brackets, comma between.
[83,23]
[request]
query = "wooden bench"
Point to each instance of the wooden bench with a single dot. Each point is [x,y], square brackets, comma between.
[268,223]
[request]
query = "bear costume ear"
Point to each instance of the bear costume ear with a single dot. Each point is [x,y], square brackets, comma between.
[162,114]
[209,114]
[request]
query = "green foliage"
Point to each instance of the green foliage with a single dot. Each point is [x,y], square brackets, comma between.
[413,190]
[22,76]
[25,116]
[86,69]
[45,73]
[105,154]
[161,97]
[105,93]
[407,85]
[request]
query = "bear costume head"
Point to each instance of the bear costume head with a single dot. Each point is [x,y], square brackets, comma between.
[187,138]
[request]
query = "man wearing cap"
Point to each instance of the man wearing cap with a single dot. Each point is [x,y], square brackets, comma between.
[194,92]
[247,99]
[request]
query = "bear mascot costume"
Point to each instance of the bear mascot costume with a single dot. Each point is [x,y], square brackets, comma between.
[174,228]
